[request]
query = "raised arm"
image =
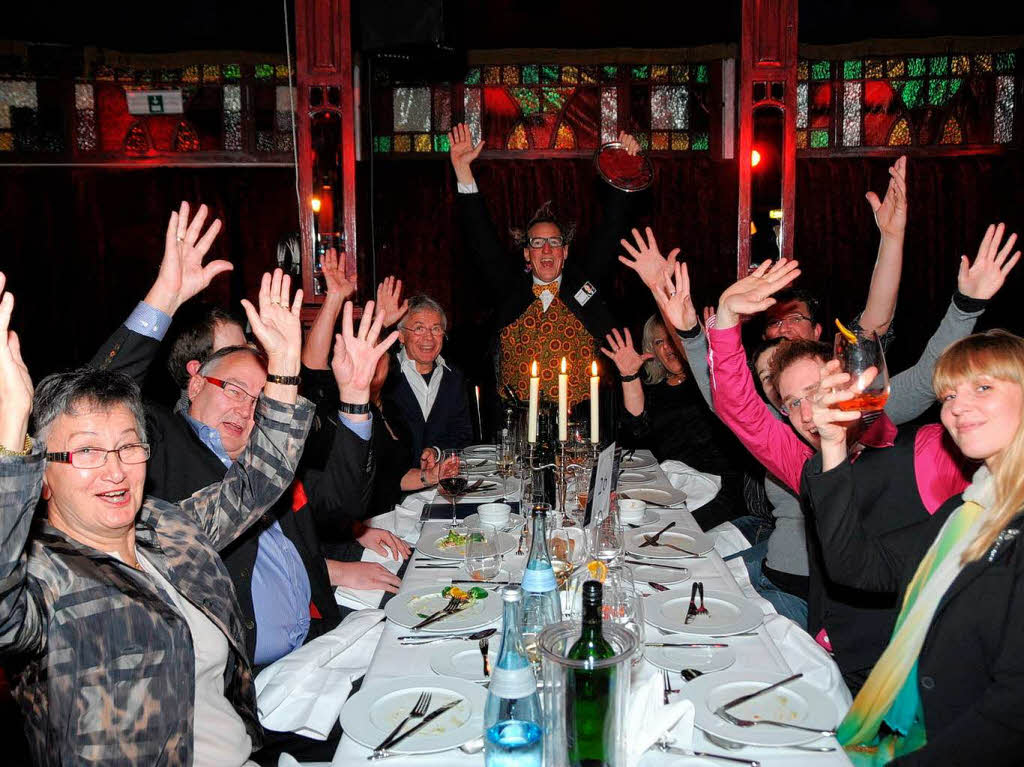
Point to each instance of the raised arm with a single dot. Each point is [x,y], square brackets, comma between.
[317,347]
[599,259]
[891,219]
[911,391]
[621,351]
[21,481]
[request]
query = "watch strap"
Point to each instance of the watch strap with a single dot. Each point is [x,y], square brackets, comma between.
[352,409]
[633,377]
[284,380]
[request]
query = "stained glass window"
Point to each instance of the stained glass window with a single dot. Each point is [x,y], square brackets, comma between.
[538,106]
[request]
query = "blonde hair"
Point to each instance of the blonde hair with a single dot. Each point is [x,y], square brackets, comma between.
[998,354]
[654,371]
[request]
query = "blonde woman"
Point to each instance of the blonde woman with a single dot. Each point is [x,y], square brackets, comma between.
[949,688]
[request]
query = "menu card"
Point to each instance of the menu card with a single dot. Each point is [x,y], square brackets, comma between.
[602,483]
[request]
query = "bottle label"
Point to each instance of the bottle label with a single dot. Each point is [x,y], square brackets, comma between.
[539,581]
[512,683]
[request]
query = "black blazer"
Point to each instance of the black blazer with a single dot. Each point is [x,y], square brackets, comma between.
[447,426]
[180,464]
[510,289]
[971,666]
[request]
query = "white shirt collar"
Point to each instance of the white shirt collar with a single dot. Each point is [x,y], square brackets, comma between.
[556,281]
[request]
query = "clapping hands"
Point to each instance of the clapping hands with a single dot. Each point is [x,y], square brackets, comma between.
[986,275]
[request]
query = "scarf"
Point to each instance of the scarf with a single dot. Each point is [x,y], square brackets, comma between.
[890,694]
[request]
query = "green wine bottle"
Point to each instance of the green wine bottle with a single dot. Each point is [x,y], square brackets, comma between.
[589,691]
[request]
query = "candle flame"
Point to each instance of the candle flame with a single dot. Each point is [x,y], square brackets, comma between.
[563,364]
[315,204]
[533,369]
[593,368]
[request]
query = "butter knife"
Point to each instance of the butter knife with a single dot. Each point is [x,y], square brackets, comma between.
[706,755]
[744,698]
[652,540]
[381,752]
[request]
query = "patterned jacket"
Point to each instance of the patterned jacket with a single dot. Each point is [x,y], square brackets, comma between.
[105,665]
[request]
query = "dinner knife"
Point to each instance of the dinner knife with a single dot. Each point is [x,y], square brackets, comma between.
[656,564]
[381,751]
[706,755]
[751,696]
[435,618]
[691,611]
[652,540]
[685,644]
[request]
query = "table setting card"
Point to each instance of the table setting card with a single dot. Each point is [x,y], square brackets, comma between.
[602,483]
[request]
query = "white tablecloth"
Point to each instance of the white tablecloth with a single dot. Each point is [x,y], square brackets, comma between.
[763,653]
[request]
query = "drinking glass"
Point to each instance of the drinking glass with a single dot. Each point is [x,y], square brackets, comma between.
[578,493]
[483,562]
[453,478]
[607,542]
[568,549]
[505,459]
[856,353]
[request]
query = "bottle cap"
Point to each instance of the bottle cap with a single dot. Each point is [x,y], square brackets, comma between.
[592,592]
[511,593]
[541,509]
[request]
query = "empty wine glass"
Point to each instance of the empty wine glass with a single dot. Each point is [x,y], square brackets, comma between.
[568,549]
[483,562]
[453,479]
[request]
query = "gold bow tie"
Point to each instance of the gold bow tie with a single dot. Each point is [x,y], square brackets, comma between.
[551,287]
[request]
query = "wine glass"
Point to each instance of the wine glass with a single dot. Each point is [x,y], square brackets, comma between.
[483,562]
[607,542]
[857,351]
[578,493]
[452,478]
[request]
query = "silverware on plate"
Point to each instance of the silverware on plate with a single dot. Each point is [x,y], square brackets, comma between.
[652,540]
[381,752]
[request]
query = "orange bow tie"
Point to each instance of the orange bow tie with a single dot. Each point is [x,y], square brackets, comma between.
[551,287]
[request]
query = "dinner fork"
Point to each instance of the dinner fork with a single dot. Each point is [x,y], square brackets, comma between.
[453,604]
[723,714]
[667,686]
[702,610]
[419,710]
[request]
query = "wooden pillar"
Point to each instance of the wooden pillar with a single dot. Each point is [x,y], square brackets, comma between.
[768,55]
[323,58]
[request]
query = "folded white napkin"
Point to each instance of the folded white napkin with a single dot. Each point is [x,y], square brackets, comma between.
[805,655]
[698,486]
[648,718]
[357,599]
[728,539]
[304,691]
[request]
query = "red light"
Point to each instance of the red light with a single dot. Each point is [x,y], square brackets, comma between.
[755,158]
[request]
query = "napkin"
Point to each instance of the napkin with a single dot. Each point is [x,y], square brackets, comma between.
[805,655]
[728,539]
[304,691]
[648,718]
[698,486]
[357,599]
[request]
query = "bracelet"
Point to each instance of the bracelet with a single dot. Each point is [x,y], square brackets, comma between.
[627,379]
[25,450]
[352,409]
[283,380]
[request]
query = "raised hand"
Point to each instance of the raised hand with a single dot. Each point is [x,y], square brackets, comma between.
[389,301]
[891,213]
[277,325]
[753,293]
[356,354]
[630,144]
[709,312]
[182,274]
[620,351]
[672,295]
[986,275]
[15,382]
[647,260]
[463,152]
[333,269]
[829,421]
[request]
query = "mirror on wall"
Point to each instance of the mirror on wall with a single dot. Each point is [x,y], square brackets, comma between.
[766,160]
[326,201]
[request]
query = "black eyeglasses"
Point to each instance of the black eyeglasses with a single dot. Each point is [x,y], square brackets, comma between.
[94,457]
[232,391]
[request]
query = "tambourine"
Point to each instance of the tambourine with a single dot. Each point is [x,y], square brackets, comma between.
[630,173]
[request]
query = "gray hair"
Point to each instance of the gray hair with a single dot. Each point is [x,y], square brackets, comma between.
[654,371]
[421,303]
[76,391]
[212,361]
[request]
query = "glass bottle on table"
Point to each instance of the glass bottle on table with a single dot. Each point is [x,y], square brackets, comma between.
[589,690]
[512,714]
[541,603]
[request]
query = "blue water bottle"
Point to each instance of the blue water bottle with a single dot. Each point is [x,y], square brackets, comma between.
[541,605]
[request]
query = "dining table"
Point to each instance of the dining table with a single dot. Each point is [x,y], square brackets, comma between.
[756,651]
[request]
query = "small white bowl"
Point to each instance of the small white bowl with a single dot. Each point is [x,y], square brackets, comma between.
[631,510]
[494,514]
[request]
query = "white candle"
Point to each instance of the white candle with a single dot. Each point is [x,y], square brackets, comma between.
[479,418]
[594,426]
[534,398]
[563,404]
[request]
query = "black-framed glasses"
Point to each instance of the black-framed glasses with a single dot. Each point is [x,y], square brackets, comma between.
[232,391]
[95,457]
[538,242]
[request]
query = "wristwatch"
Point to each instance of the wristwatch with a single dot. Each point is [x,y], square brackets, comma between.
[633,377]
[283,380]
[351,409]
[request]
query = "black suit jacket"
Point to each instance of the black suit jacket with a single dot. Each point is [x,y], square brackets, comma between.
[970,672]
[447,426]
[180,464]
[510,289]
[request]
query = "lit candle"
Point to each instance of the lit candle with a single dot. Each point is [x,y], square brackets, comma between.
[534,397]
[594,381]
[563,404]
[479,419]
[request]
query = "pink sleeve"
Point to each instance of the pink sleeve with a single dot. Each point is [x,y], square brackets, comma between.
[770,441]
[940,467]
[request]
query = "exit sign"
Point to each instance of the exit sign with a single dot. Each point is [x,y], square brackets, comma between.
[154,102]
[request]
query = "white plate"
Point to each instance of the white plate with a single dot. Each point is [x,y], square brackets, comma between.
[641,460]
[515,521]
[503,575]
[691,540]
[796,702]
[703,659]
[373,712]
[463,660]
[727,613]
[662,575]
[490,490]
[480,451]
[637,476]
[408,608]
[428,545]
[649,518]
[656,495]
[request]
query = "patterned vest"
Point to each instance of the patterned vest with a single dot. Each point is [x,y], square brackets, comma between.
[547,336]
